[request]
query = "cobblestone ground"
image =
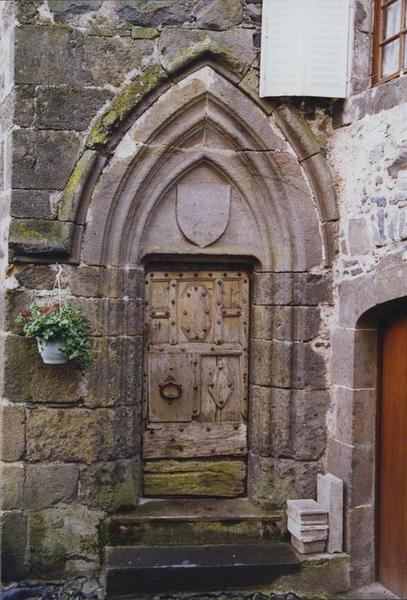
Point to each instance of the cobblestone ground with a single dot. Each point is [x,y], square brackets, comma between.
[92,591]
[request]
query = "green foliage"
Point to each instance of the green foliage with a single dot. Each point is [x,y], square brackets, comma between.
[60,322]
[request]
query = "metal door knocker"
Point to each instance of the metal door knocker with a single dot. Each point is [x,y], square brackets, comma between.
[170,390]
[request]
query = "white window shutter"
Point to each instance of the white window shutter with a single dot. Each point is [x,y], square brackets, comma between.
[304,48]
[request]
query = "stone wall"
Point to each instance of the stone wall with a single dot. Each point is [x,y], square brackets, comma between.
[70,443]
[82,73]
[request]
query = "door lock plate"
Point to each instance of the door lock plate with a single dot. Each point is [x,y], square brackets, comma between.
[170,390]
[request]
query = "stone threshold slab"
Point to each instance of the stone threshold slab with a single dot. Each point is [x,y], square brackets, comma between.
[197,511]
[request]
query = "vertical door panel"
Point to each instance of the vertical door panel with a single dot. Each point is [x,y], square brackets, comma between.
[392,518]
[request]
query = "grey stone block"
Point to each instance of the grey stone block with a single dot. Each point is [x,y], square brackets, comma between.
[360,543]
[36,277]
[106,434]
[13,433]
[120,56]
[61,540]
[24,105]
[64,65]
[27,10]
[43,159]
[67,107]
[154,14]
[355,415]
[13,546]
[285,322]
[218,14]
[11,486]
[270,422]
[355,466]
[274,480]
[307,289]
[35,236]
[63,10]
[110,486]
[308,410]
[354,357]
[49,484]
[37,382]
[116,378]
[30,204]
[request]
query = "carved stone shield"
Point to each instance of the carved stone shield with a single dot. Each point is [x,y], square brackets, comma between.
[203,211]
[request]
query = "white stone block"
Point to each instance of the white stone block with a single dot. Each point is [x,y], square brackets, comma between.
[308,547]
[310,533]
[330,498]
[307,512]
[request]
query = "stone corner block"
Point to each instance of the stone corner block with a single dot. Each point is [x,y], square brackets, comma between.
[37,237]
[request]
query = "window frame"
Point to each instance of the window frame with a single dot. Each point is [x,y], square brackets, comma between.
[379,44]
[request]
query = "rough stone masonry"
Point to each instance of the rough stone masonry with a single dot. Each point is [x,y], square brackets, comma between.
[81,126]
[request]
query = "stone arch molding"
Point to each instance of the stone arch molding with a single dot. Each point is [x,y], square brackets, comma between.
[203,132]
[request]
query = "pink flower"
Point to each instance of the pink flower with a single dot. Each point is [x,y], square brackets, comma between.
[26,313]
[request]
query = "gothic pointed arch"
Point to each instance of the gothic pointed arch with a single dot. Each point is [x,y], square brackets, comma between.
[202,127]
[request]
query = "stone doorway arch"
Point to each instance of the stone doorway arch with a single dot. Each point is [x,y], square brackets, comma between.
[203,127]
[364,304]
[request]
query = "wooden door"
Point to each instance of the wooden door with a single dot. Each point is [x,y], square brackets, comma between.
[195,396]
[392,517]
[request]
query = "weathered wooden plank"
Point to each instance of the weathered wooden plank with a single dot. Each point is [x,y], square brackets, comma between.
[194,440]
[194,478]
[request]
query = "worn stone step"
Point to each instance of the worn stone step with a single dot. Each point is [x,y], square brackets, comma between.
[135,570]
[196,522]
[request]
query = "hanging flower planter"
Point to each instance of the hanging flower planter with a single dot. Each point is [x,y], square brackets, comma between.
[52,351]
[61,331]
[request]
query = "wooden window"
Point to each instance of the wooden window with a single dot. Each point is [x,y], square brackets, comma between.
[304,48]
[390,52]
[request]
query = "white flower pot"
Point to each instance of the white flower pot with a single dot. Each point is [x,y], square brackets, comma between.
[51,351]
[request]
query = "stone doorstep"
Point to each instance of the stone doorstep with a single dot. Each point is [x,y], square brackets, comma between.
[144,569]
[196,522]
[197,509]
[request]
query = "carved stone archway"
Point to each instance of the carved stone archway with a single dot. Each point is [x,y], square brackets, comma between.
[203,128]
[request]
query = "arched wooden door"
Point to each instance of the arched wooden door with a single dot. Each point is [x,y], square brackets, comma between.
[392,516]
